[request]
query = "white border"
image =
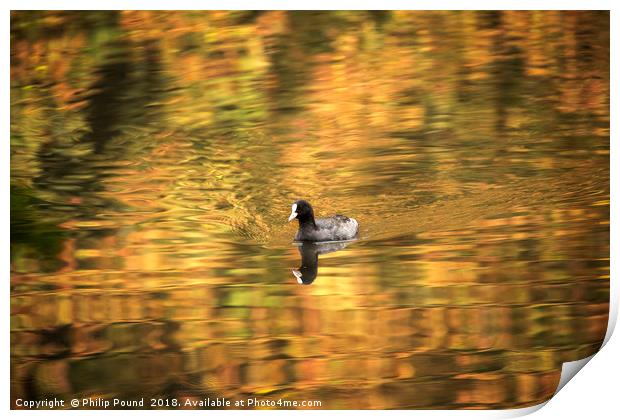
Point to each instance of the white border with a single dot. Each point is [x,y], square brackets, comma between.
[313,5]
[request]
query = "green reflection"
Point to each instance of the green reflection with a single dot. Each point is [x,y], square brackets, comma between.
[155,155]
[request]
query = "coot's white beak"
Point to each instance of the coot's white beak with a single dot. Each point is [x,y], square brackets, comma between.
[297,275]
[293,212]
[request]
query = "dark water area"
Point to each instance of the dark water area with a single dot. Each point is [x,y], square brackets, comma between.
[155,157]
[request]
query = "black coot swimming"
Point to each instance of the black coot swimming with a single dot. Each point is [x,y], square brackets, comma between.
[334,228]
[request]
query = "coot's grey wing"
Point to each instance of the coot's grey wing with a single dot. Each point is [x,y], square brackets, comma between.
[336,228]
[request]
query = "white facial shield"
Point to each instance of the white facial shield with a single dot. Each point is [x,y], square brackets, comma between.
[293,212]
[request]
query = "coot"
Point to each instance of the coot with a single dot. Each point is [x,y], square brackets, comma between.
[334,228]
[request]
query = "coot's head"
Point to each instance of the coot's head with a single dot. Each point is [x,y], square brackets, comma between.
[302,210]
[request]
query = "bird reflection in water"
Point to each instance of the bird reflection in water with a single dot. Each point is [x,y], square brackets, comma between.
[310,252]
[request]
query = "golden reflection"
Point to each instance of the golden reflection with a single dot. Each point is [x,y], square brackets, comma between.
[154,156]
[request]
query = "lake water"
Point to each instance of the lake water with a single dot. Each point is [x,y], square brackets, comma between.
[155,156]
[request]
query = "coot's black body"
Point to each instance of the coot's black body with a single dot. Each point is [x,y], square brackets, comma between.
[335,228]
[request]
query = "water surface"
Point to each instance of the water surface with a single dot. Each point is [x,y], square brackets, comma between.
[154,158]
